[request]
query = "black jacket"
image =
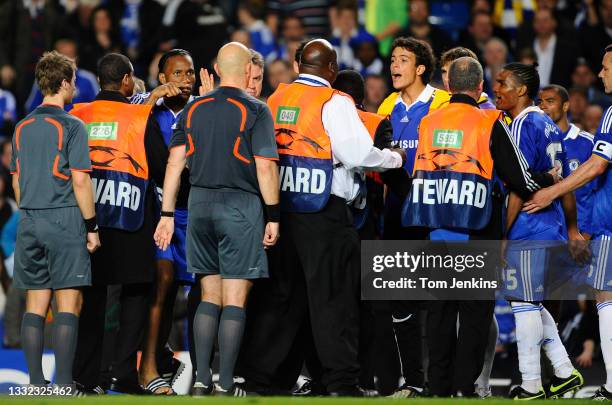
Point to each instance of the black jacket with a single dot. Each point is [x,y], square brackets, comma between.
[129,257]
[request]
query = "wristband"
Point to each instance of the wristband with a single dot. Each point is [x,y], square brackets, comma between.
[169,214]
[91,225]
[273,212]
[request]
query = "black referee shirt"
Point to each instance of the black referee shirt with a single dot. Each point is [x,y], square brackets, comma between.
[224,131]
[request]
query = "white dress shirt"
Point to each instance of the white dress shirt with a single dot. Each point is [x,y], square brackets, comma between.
[351,143]
[546,57]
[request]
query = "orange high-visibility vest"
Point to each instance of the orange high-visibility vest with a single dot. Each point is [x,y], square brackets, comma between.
[120,170]
[453,171]
[304,147]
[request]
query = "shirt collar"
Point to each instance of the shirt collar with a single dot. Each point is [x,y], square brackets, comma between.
[110,95]
[312,80]
[531,108]
[463,98]
[162,103]
[422,98]
[572,132]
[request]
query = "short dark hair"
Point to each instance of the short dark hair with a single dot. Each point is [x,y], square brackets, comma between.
[464,75]
[111,70]
[257,58]
[422,51]
[560,90]
[161,65]
[351,83]
[456,53]
[254,8]
[51,70]
[526,75]
[350,5]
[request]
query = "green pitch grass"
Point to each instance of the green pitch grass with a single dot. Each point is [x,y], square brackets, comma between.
[185,400]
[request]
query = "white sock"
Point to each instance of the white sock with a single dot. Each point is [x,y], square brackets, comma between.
[604,309]
[529,336]
[553,346]
[483,379]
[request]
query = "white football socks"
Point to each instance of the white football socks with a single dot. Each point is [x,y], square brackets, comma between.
[529,336]
[553,346]
[604,309]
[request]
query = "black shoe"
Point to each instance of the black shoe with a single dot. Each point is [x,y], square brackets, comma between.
[559,386]
[87,391]
[174,373]
[406,391]
[236,391]
[310,388]
[126,387]
[201,390]
[519,393]
[347,391]
[602,394]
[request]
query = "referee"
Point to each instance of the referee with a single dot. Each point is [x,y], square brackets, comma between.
[50,166]
[227,139]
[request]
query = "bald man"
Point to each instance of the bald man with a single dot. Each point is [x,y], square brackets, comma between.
[323,146]
[227,139]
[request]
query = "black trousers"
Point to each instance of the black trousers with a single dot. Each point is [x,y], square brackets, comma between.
[456,356]
[313,271]
[134,308]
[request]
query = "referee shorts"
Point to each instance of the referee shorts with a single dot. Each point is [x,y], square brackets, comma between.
[225,233]
[51,249]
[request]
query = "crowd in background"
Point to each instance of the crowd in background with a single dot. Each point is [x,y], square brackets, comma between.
[564,37]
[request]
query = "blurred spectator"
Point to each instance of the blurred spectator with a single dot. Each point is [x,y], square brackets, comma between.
[578,105]
[480,6]
[495,57]
[596,33]
[384,19]
[579,331]
[101,38]
[8,113]
[292,35]
[583,76]
[139,23]
[527,56]
[420,28]
[201,28]
[152,78]
[479,31]
[262,40]
[510,14]
[6,152]
[241,36]
[28,28]
[592,118]
[314,15]
[86,82]
[552,47]
[368,59]
[375,92]
[280,71]
[348,35]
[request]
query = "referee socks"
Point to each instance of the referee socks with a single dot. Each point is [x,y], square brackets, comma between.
[65,330]
[32,342]
[205,326]
[231,329]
